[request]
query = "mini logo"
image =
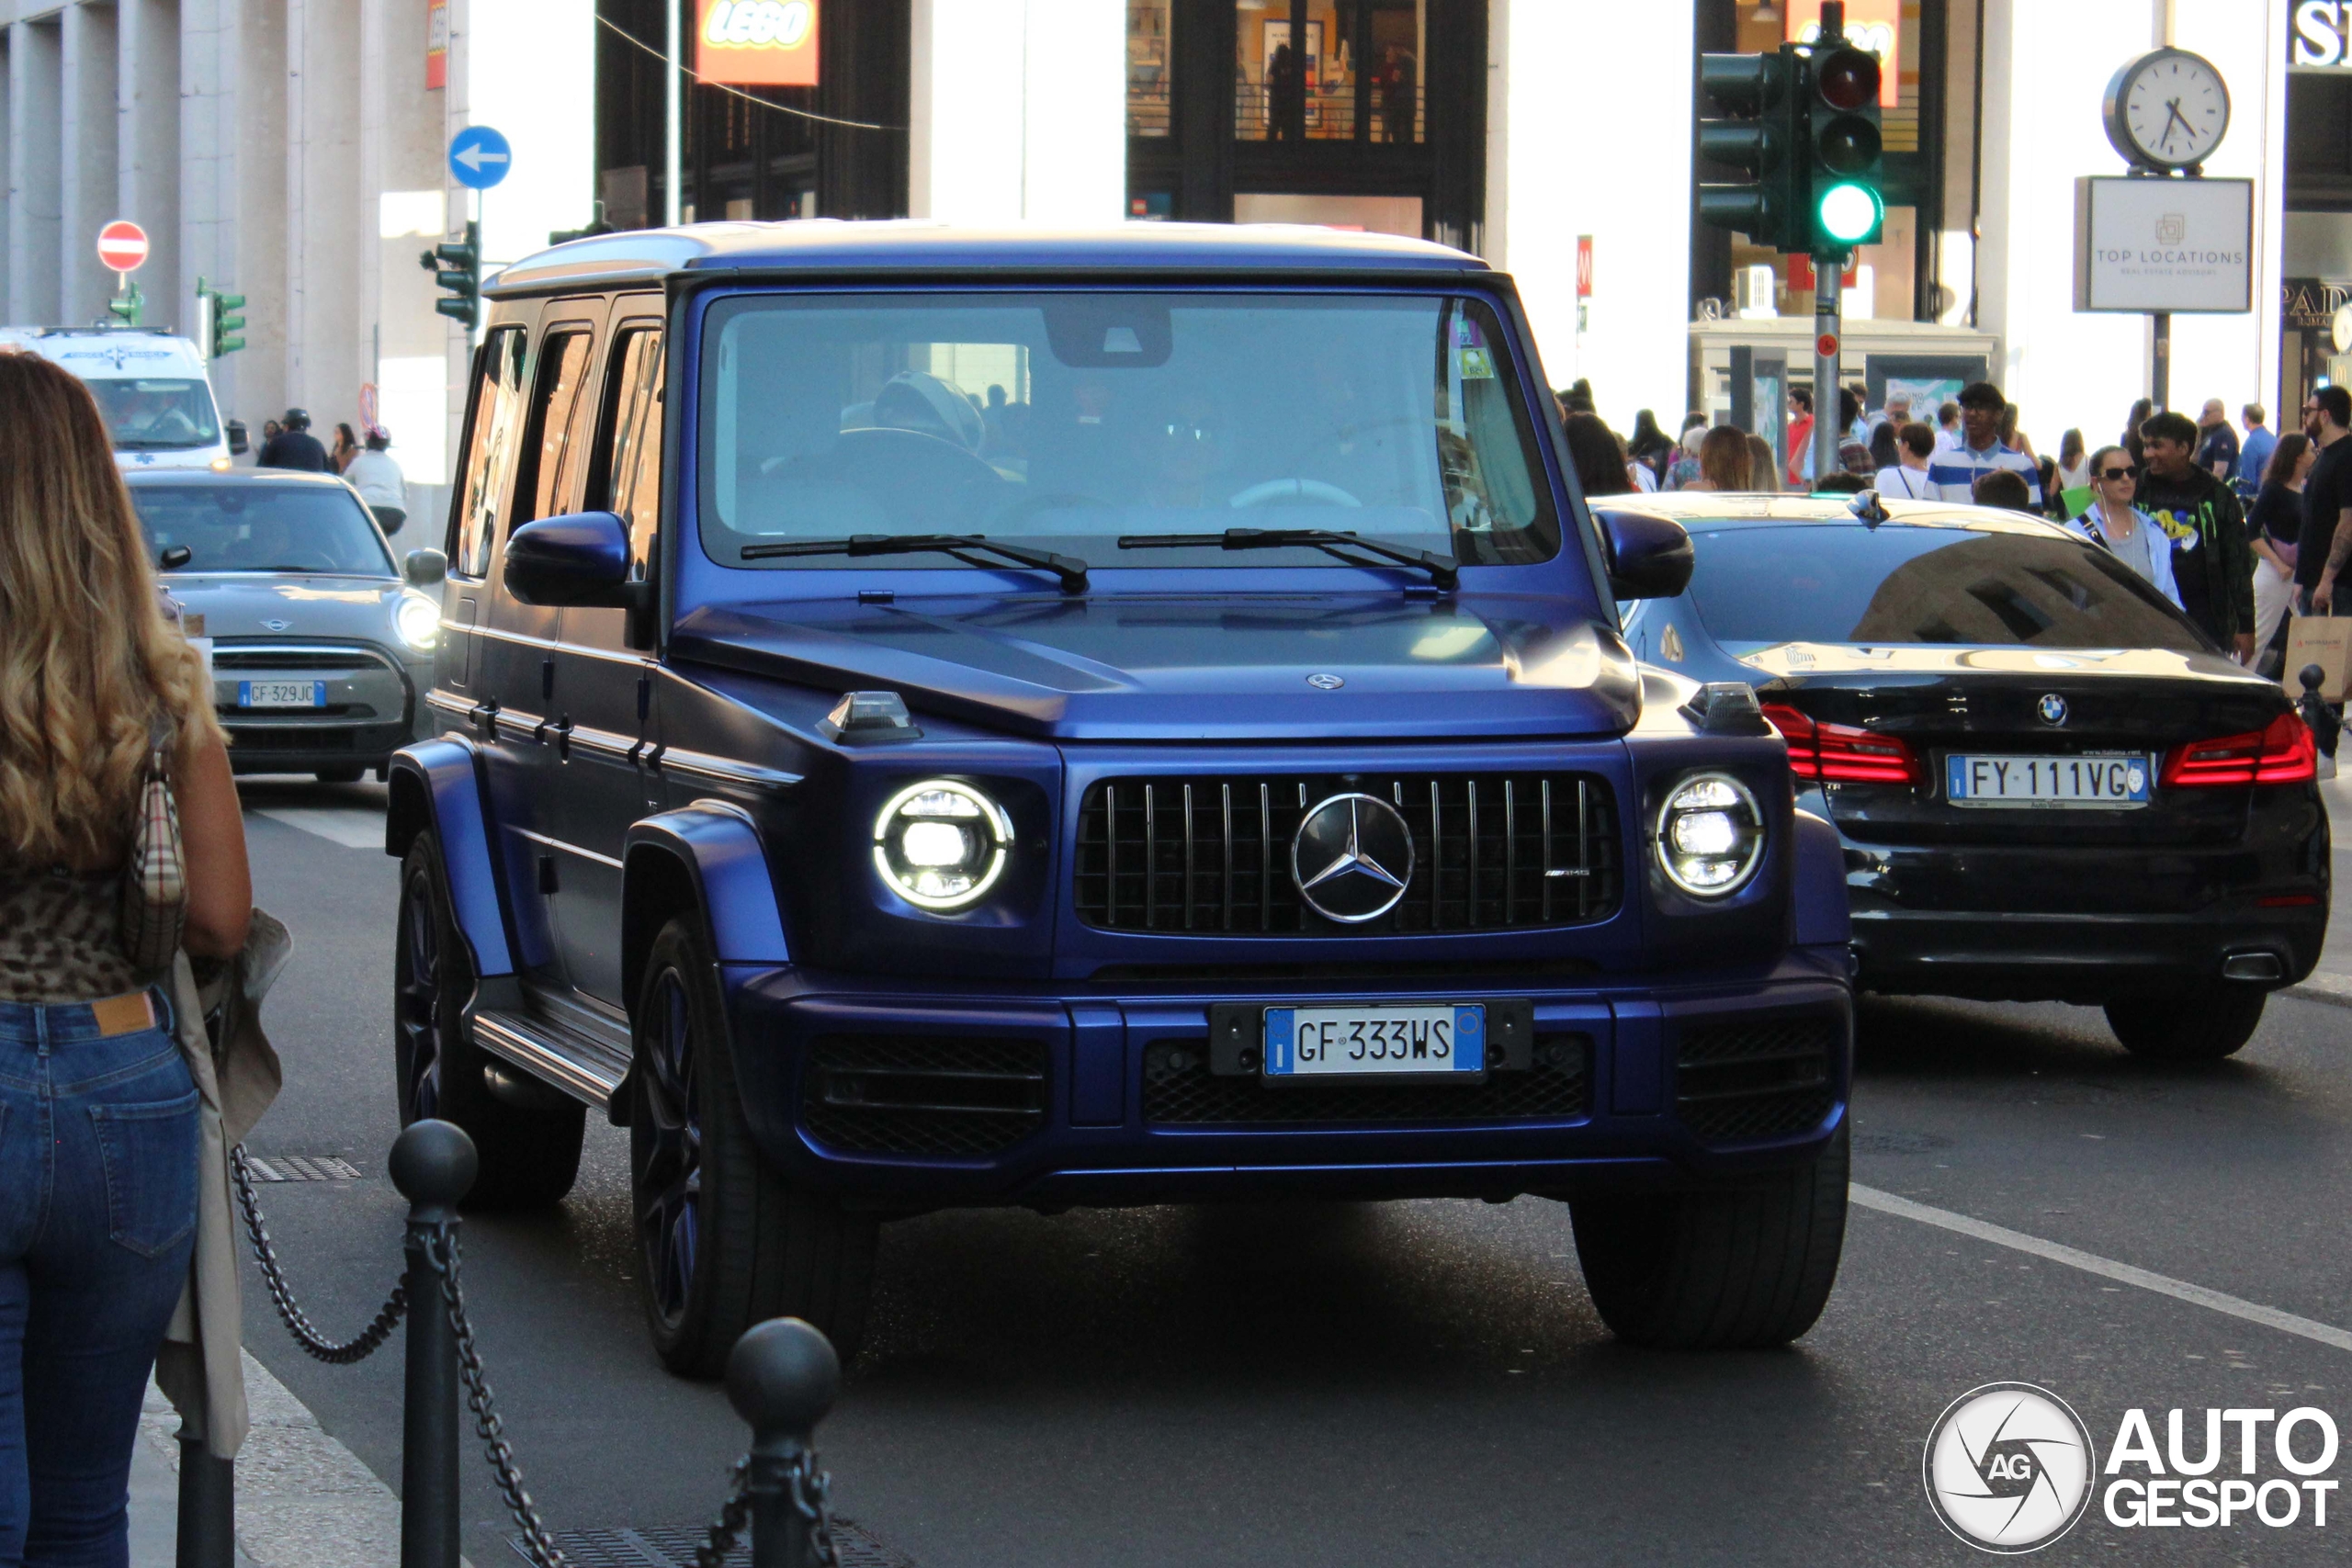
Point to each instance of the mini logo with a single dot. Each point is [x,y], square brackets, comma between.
[1325,683]
[2172,228]
[276,625]
[2008,1467]
[1351,858]
[2052,707]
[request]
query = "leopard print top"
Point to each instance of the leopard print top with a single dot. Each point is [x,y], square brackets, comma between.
[58,937]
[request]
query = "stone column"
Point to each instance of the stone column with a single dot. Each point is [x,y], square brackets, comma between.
[35,183]
[89,175]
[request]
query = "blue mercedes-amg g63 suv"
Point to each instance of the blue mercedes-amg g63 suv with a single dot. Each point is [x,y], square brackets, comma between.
[932,718]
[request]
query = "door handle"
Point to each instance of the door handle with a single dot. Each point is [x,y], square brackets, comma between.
[563,738]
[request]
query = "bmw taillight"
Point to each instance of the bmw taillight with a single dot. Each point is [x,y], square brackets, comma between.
[2281,753]
[1841,753]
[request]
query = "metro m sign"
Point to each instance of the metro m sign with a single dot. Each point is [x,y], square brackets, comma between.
[756,44]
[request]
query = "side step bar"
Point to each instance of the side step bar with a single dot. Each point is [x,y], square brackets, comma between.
[584,1069]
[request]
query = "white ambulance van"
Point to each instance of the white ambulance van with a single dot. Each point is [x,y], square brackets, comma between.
[151,387]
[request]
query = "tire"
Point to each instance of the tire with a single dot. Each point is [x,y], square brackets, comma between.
[1737,1268]
[339,775]
[724,1242]
[2202,1028]
[530,1157]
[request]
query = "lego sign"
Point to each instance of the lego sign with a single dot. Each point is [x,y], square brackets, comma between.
[756,44]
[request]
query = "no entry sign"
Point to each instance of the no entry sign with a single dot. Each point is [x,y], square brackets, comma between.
[122,246]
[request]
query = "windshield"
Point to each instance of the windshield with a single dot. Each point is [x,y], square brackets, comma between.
[147,414]
[1757,587]
[1066,421]
[264,527]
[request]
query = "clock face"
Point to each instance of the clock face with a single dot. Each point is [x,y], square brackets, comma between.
[2172,111]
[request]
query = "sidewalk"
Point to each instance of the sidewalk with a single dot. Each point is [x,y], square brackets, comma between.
[303,1499]
[2331,981]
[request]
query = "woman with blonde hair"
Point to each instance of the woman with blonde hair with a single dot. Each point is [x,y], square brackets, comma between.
[1763,469]
[1723,459]
[98,1113]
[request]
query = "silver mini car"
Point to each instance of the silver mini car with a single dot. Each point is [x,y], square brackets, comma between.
[321,646]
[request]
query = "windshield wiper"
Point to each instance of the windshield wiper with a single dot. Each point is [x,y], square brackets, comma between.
[1445,570]
[1070,568]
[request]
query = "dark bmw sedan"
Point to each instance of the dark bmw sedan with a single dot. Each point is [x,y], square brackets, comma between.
[2050,784]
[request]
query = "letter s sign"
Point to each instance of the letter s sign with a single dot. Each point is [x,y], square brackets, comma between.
[2318,41]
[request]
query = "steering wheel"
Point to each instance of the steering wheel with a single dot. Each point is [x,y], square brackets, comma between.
[1294,489]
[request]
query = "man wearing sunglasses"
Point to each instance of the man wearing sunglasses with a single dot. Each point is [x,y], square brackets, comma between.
[2327,498]
[2129,533]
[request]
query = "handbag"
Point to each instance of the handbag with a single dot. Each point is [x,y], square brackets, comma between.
[152,911]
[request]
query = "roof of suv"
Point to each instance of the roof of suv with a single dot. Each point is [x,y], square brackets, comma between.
[1764,509]
[833,246]
[137,477]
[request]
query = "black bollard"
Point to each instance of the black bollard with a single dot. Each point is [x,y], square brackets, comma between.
[781,1377]
[433,1165]
[2326,728]
[208,1522]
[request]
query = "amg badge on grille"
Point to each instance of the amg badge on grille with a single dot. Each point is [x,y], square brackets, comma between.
[1353,857]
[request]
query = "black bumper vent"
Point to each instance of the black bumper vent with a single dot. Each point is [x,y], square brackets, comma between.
[942,1097]
[1769,1080]
[1179,1090]
[1490,852]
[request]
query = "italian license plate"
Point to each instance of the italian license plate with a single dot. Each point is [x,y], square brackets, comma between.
[2110,780]
[281,694]
[1345,1042]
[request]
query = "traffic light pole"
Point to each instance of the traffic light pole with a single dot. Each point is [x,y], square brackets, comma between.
[1828,288]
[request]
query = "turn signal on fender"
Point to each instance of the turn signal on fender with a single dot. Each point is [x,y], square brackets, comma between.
[1841,753]
[2281,753]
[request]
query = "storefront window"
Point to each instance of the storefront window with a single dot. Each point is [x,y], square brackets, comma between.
[1147,63]
[1330,70]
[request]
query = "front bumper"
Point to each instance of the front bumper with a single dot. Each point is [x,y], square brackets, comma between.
[900,1098]
[369,713]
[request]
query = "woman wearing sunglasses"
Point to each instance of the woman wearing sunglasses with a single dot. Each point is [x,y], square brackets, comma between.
[2130,534]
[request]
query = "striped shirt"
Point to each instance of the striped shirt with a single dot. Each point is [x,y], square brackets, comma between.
[1952,473]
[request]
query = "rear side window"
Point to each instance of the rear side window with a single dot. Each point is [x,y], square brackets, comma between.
[1757,587]
[631,485]
[490,451]
[557,437]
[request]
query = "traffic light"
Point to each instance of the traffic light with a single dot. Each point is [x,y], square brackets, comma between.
[128,303]
[457,268]
[220,326]
[1761,94]
[1842,145]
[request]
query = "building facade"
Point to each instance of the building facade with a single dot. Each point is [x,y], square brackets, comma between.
[293,151]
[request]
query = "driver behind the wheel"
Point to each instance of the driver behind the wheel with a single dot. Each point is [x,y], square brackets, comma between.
[1181,454]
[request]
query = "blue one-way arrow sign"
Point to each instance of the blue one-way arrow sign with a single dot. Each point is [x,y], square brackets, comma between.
[479,157]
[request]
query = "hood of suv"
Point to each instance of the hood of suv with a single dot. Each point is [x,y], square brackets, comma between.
[1133,667]
[256,604]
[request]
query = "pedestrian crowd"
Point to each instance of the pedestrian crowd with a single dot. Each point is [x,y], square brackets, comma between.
[367,463]
[2241,530]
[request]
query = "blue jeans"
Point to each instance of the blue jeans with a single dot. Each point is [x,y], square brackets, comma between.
[98,1215]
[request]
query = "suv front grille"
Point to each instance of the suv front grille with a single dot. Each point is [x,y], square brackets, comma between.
[1212,854]
[1754,1079]
[1179,1090]
[943,1097]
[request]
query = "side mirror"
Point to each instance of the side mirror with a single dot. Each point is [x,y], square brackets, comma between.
[239,444]
[1649,556]
[174,558]
[424,567]
[579,558]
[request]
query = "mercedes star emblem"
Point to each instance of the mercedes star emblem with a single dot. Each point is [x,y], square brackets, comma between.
[1351,858]
[2052,708]
[1325,683]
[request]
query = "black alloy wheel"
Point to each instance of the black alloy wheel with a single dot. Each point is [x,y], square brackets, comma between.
[1744,1268]
[2202,1028]
[529,1156]
[724,1242]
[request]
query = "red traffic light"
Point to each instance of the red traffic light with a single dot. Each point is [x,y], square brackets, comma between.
[1847,79]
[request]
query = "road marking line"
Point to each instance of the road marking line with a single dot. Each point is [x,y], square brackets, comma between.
[349,827]
[2105,1268]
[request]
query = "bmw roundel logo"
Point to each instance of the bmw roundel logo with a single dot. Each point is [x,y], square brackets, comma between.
[1353,858]
[2052,707]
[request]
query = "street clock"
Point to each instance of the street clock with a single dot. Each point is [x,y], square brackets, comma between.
[2167,110]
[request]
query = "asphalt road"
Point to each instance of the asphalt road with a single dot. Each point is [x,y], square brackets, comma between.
[1372,1384]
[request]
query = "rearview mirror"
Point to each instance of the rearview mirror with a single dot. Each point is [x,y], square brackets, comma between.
[1649,556]
[174,556]
[424,567]
[239,444]
[580,559]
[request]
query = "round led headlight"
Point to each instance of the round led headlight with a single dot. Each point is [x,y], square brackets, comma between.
[418,620]
[940,844]
[1710,836]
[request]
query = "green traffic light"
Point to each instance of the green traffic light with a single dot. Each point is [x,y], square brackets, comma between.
[1850,213]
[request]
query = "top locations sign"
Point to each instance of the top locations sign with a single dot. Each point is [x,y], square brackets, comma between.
[2164,244]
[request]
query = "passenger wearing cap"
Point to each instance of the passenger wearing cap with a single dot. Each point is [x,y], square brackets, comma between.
[377,477]
[295,447]
[1953,472]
